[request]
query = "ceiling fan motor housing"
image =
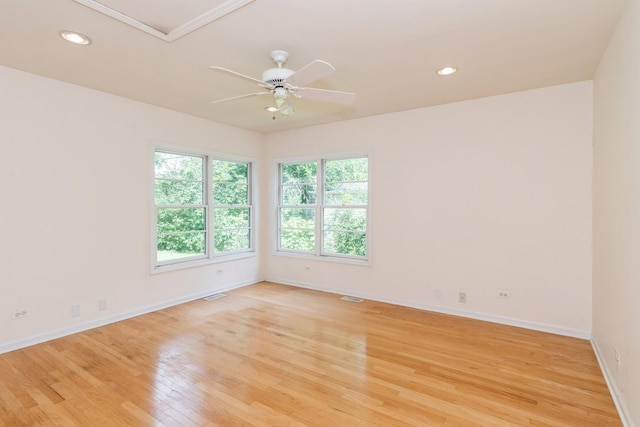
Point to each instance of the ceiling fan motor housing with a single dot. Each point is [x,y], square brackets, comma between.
[276,76]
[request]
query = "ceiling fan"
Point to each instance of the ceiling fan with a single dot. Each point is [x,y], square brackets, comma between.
[282,82]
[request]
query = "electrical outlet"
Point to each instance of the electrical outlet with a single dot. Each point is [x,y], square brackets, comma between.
[102,304]
[503,294]
[75,310]
[617,354]
[438,293]
[20,314]
[462,297]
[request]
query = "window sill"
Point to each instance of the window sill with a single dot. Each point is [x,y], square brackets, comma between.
[180,265]
[325,258]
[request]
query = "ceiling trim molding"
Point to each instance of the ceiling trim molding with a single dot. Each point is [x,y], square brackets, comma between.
[184,29]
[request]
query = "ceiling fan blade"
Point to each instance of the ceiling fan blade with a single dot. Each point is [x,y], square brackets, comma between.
[236,74]
[310,73]
[217,101]
[334,96]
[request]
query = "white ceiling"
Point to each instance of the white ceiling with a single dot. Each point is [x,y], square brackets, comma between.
[385,51]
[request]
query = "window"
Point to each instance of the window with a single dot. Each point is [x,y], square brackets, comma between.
[323,207]
[203,207]
[298,192]
[181,211]
[346,199]
[231,207]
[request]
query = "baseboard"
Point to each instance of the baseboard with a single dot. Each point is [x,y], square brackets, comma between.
[59,333]
[625,416]
[542,327]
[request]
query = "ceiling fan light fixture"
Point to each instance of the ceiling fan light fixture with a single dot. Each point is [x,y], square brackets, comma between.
[280,95]
[446,71]
[75,37]
[286,109]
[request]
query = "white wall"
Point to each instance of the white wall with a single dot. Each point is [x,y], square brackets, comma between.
[479,196]
[75,205]
[616,211]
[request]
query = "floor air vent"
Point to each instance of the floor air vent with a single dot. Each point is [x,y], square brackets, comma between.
[351,299]
[214,296]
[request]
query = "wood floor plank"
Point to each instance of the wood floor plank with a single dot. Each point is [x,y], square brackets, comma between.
[274,355]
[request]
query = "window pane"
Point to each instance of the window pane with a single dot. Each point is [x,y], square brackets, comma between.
[226,218]
[345,219]
[295,193]
[226,193]
[298,218]
[299,240]
[176,220]
[297,229]
[347,170]
[177,246]
[178,166]
[347,193]
[345,243]
[178,192]
[224,171]
[232,240]
[301,172]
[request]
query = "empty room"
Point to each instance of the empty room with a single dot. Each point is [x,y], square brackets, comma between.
[286,213]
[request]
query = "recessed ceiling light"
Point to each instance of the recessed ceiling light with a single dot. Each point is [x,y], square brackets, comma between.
[73,37]
[271,109]
[445,71]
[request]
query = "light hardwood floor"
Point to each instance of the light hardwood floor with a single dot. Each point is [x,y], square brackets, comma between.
[274,355]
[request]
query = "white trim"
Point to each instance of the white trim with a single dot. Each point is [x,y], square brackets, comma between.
[623,411]
[206,18]
[181,264]
[322,156]
[63,332]
[535,326]
[182,30]
[323,258]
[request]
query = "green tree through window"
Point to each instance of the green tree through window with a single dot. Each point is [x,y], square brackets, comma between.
[180,208]
[332,223]
[298,213]
[232,210]
[184,210]
[346,198]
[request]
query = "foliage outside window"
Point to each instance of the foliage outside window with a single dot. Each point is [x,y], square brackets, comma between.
[202,207]
[345,210]
[231,206]
[331,221]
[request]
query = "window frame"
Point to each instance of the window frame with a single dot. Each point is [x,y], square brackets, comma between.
[203,205]
[210,256]
[319,207]
[281,206]
[249,205]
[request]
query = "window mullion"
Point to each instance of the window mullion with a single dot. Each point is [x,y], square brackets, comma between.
[208,200]
[320,201]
